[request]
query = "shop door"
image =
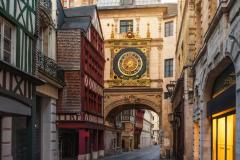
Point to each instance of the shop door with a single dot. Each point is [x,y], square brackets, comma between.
[68,145]
[223,138]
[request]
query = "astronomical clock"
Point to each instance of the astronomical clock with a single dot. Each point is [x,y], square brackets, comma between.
[129,63]
[130,67]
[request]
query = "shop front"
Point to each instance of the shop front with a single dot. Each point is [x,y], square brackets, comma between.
[222,111]
[17,113]
[81,137]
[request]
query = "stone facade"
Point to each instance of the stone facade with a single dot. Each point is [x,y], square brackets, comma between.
[148,33]
[220,48]
[207,42]
[147,133]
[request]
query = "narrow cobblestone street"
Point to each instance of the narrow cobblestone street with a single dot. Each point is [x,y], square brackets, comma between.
[149,153]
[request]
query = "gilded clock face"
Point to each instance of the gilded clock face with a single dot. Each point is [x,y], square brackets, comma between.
[129,63]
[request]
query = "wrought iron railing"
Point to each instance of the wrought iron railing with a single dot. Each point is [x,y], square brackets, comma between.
[50,67]
[47,4]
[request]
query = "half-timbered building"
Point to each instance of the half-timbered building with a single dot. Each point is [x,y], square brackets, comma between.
[17,80]
[80,104]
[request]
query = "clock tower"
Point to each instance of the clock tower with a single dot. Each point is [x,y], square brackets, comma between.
[139,58]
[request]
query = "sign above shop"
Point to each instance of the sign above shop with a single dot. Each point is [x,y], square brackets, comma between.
[80,117]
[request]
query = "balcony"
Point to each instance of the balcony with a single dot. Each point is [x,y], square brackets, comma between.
[50,68]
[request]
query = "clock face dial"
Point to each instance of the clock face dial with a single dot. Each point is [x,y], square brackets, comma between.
[129,63]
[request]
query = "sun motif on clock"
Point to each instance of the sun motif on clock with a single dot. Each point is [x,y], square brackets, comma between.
[129,63]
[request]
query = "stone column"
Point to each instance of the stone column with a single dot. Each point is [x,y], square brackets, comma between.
[188,122]
[6,139]
[48,129]
[238,111]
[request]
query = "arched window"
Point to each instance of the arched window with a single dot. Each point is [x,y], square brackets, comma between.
[221,109]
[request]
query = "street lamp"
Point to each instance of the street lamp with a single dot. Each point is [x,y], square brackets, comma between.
[170,88]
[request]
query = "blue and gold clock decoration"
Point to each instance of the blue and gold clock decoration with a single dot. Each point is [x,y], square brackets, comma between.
[129,63]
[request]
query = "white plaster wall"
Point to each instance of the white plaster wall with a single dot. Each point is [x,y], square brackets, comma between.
[145,139]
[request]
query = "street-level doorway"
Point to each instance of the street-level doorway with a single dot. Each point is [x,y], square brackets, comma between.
[223,137]
[221,109]
[68,144]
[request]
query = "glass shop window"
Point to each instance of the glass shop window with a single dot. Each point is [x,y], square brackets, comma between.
[223,138]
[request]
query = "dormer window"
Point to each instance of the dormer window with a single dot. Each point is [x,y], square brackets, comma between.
[127,2]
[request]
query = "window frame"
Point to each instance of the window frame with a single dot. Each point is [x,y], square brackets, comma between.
[168,28]
[124,2]
[3,23]
[126,25]
[168,72]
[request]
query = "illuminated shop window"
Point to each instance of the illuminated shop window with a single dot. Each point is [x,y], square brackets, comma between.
[223,137]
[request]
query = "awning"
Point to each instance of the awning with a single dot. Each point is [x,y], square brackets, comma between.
[11,106]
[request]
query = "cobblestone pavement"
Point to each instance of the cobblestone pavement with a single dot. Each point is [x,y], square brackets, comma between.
[149,153]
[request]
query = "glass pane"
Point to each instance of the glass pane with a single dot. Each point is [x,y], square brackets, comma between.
[7,44]
[221,138]
[20,138]
[230,137]
[7,31]
[214,139]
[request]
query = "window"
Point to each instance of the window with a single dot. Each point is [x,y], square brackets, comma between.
[223,137]
[43,40]
[7,50]
[126,25]
[127,2]
[168,67]
[169,29]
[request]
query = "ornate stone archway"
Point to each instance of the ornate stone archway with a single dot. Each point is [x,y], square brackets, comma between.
[143,98]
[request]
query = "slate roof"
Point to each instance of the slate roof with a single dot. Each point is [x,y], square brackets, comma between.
[78,17]
[80,11]
[76,22]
